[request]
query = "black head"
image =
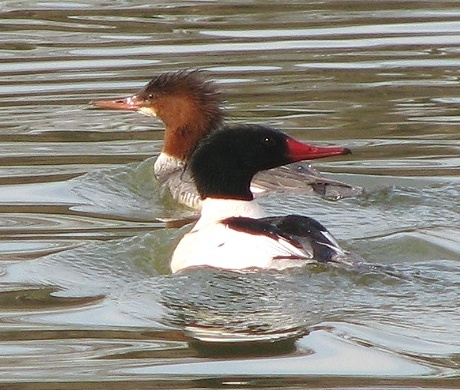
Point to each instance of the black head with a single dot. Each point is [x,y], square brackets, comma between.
[225,162]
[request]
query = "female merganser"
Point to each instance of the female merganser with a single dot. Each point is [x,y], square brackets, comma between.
[190,108]
[233,232]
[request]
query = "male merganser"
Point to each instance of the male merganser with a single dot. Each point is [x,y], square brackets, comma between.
[233,231]
[190,108]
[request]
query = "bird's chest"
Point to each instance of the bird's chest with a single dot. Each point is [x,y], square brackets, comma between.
[217,245]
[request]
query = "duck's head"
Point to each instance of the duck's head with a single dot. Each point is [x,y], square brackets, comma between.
[225,162]
[188,105]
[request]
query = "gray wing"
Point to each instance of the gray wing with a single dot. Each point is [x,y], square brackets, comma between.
[302,178]
[293,178]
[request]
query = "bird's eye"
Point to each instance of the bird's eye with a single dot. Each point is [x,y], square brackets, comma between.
[151,96]
[268,141]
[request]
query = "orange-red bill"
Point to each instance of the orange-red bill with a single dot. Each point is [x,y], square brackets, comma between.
[301,151]
[132,103]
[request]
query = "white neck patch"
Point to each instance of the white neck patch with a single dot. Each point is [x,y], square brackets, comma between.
[214,210]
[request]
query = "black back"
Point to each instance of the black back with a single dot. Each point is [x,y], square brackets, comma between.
[304,233]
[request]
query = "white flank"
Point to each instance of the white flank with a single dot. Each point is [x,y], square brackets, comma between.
[212,243]
[218,246]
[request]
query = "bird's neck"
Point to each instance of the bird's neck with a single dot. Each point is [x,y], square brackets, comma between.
[216,209]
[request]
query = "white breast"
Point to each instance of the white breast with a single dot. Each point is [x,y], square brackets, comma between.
[212,243]
[217,245]
[166,165]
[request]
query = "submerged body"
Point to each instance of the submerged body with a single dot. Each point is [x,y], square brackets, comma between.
[190,108]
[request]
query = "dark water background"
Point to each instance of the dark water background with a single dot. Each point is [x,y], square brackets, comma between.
[86,299]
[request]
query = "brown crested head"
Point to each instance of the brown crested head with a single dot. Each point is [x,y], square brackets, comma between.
[189,106]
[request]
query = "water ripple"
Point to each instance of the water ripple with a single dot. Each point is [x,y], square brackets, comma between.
[84,254]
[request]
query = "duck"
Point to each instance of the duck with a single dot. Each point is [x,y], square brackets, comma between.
[233,231]
[191,108]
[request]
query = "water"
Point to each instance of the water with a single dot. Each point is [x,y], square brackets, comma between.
[86,298]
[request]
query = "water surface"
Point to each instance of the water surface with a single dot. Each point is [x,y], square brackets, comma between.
[86,296]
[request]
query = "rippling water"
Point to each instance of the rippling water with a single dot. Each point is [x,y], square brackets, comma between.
[86,298]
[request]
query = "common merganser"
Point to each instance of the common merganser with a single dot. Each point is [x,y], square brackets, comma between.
[233,231]
[191,108]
